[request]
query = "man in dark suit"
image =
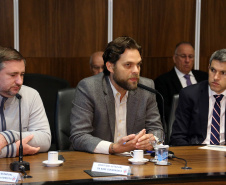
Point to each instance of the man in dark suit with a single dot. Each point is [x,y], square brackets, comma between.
[110,114]
[172,82]
[200,115]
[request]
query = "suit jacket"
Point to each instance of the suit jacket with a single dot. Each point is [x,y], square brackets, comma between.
[93,112]
[191,119]
[169,84]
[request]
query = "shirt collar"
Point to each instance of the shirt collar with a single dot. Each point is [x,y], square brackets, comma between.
[180,74]
[115,92]
[211,93]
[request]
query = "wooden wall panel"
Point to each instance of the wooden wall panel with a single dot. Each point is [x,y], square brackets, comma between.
[68,28]
[157,26]
[213,29]
[70,69]
[61,35]
[6,22]
[153,66]
[55,34]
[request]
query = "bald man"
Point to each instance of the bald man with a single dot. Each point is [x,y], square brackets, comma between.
[96,62]
[172,82]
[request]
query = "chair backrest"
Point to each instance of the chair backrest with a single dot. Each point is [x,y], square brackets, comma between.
[63,112]
[47,86]
[172,115]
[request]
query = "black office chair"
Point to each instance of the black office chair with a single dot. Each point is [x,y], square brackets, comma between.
[172,115]
[47,86]
[63,112]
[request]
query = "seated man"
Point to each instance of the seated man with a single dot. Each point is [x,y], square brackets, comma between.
[110,114]
[172,82]
[96,62]
[35,126]
[200,115]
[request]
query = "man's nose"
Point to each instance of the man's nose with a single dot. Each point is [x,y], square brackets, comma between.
[19,80]
[136,69]
[187,58]
[100,69]
[217,76]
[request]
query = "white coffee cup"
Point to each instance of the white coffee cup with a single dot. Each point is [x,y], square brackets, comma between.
[138,155]
[52,156]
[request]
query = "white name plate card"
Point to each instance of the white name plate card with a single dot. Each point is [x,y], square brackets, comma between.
[9,176]
[111,168]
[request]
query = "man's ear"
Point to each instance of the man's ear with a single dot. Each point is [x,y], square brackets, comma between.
[110,66]
[174,60]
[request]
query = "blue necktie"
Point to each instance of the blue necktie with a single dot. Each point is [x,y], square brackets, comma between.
[188,80]
[2,113]
[215,126]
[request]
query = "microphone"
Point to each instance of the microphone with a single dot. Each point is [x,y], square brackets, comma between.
[148,89]
[172,156]
[163,111]
[20,165]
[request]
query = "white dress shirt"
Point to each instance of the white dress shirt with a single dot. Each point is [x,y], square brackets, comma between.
[120,115]
[222,117]
[183,80]
[120,121]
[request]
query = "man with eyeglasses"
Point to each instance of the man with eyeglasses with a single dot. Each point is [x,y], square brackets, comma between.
[180,76]
[200,115]
[96,62]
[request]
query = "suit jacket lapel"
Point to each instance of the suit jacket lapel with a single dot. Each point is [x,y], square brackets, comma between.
[110,104]
[175,80]
[204,108]
[132,103]
[225,127]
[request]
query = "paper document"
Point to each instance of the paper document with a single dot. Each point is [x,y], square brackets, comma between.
[214,147]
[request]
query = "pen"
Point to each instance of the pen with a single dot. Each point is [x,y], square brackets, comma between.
[128,140]
[150,151]
[125,142]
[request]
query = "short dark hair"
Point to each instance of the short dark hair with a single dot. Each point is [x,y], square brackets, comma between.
[183,42]
[219,55]
[8,54]
[117,47]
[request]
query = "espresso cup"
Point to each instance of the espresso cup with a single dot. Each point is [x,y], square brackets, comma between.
[52,156]
[138,155]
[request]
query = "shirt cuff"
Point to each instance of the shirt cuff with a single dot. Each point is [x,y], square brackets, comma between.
[102,147]
[8,151]
[9,136]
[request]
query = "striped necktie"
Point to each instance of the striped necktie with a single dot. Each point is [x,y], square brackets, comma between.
[215,126]
[2,113]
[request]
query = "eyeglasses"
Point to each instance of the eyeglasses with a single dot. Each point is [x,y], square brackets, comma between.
[185,56]
[97,67]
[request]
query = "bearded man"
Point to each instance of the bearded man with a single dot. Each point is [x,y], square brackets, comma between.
[110,114]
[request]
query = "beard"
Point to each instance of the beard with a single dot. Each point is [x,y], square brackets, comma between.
[10,92]
[125,84]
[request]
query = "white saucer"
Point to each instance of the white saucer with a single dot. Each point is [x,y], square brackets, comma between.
[128,154]
[57,163]
[144,160]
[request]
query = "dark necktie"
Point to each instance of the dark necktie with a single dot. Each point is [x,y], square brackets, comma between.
[2,113]
[188,80]
[215,126]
